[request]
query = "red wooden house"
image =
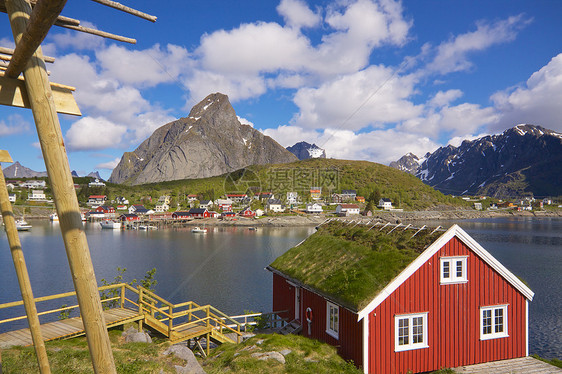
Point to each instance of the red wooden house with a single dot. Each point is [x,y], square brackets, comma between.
[395,302]
[129,217]
[105,209]
[181,215]
[247,212]
[199,213]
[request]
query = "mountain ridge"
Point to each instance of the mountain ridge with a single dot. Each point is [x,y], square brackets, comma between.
[304,151]
[521,161]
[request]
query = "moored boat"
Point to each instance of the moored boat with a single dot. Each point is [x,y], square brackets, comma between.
[22,225]
[108,224]
[54,217]
[199,230]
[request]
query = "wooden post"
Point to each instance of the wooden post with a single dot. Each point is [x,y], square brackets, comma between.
[66,202]
[23,277]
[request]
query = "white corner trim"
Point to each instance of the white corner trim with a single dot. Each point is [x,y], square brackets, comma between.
[453,231]
[527,327]
[366,345]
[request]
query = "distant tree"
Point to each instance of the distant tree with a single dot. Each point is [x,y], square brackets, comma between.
[370,206]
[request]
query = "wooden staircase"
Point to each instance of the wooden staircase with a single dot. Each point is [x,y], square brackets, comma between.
[293,327]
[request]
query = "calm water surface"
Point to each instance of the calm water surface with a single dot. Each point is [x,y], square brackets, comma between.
[225,267]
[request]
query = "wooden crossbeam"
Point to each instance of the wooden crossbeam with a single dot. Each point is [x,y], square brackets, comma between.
[14,93]
[103,34]
[10,51]
[126,9]
[42,17]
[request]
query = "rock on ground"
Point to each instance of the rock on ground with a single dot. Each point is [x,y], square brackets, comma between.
[192,366]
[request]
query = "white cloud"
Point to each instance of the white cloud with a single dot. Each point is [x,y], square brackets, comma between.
[91,133]
[373,96]
[13,124]
[378,145]
[110,165]
[452,55]
[76,40]
[537,101]
[297,14]
[457,140]
[445,98]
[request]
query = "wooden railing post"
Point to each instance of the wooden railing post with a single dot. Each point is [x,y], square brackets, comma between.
[23,277]
[56,161]
[122,296]
[170,321]
[140,301]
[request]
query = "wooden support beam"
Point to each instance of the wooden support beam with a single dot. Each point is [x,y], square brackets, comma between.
[14,93]
[66,202]
[42,17]
[126,9]
[97,32]
[21,271]
[10,51]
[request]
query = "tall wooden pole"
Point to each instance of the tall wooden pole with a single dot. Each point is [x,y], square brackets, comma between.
[66,202]
[23,278]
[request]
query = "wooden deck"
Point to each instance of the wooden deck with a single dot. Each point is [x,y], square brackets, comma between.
[523,365]
[66,328]
[177,322]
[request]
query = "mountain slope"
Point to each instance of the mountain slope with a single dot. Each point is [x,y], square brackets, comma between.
[523,160]
[17,170]
[209,142]
[304,151]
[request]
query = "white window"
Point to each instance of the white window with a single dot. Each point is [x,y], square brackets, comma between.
[453,269]
[410,332]
[332,319]
[493,322]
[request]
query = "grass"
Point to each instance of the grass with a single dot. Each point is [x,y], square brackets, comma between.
[307,356]
[352,265]
[72,356]
[556,362]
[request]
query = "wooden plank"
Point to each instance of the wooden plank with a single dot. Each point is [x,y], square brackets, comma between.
[14,93]
[126,9]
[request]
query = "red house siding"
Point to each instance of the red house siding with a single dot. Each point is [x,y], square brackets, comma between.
[453,318]
[350,331]
[283,297]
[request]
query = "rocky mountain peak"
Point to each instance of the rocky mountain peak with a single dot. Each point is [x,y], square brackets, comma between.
[17,170]
[304,151]
[209,142]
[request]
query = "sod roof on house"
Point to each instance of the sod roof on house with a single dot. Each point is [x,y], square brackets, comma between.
[351,265]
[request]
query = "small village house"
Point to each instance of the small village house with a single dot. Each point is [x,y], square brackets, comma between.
[347,209]
[33,184]
[161,208]
[224,205]
[181,216]
[37,195]
[385,203]
[191,197]
[96,200]
[315,193]
[247,212]
[129,217]
[348,195]
[96,183]
[228,215]
[109,211]
[478,206]
[403,300]
[292,198]
[199,213]
[237,198]
[314,208]
[12,197]
[121,207]
[360,199]
[274,206]
[140,210]
[206,204]
[120,200]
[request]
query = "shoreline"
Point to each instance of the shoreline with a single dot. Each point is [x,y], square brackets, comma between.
[314,220]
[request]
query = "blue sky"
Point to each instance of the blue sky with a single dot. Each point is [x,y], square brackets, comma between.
[364,79]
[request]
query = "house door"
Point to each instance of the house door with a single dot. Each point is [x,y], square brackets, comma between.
[297,303]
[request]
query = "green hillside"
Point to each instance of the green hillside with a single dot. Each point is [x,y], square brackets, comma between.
[370,180]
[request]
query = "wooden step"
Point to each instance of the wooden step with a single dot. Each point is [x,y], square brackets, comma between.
[293,327]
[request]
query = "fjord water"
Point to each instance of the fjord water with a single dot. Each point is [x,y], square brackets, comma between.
[226,267]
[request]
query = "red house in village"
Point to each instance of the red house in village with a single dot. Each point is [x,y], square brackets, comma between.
[395,300]
[129,217]
[199,213]
[247,212]
[105,209]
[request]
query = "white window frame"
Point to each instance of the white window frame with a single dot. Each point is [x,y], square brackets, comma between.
[452,263]
[411,345]
[494,315]
[332,330]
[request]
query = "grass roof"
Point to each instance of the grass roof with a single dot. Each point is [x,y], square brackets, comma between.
[351,265]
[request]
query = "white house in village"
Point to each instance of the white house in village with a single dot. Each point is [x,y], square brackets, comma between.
[37,195]
[292,198]
[96,183]
[385,203]
[347,209]
[33,184]
[162,207]
[12,197]
[314,208]
[275,206]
